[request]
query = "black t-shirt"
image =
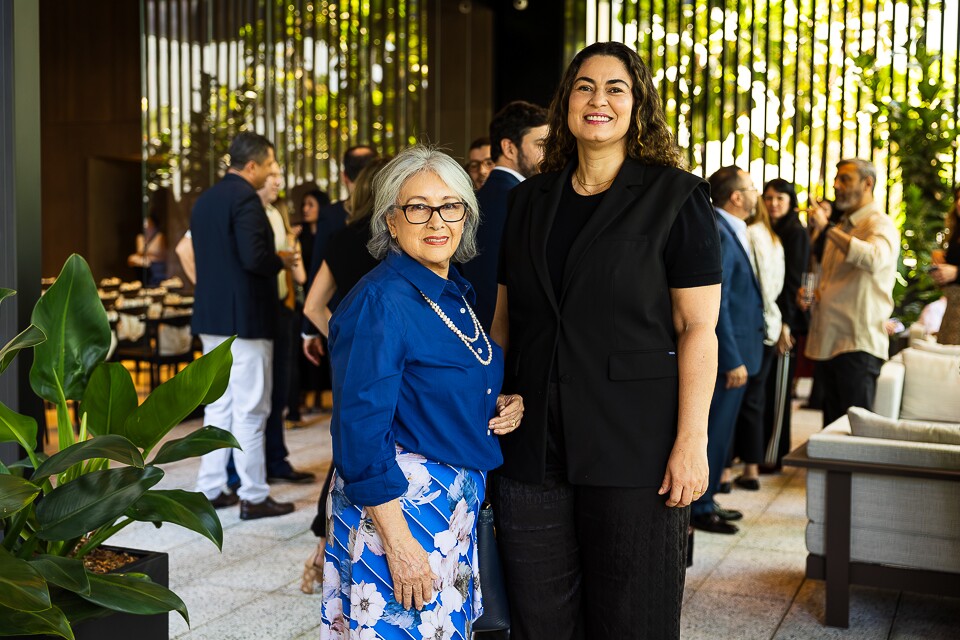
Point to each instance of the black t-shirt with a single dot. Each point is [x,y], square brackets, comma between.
[348,258]
[572,215]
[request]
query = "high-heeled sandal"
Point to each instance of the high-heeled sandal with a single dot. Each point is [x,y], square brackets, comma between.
[312,570]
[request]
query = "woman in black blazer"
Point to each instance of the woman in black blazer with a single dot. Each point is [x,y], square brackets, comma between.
[608,302]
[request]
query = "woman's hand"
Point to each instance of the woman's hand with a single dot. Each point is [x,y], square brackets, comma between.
[409,564]
[412,577]
[509,414]
[786,341]
[688,473]
[944,274]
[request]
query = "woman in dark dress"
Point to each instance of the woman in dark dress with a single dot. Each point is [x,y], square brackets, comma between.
[780,198]
[608,301]
[305,376]
[945,275]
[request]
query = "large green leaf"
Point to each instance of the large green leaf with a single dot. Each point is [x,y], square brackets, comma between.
[21,586]
[68,573]
[77,507]
[6,293]
[17,428]
[133,594]
[78,335]
[109,400]
[203,381]
[29,337]
[198,443]
[187,509]
[15,494]
[112,447]
[50,621]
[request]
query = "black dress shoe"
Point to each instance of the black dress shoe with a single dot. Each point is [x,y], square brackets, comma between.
[225,500]
[750,484]
[713,523]
[294,477]
[725,487]
[728,515]
[266,509]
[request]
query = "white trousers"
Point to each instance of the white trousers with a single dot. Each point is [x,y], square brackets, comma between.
[242,410]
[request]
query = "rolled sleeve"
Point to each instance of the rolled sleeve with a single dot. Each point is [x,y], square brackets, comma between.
[367,349]
[871,253]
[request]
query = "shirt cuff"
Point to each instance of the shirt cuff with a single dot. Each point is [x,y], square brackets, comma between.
[307,336]
[860,254]
[378,489]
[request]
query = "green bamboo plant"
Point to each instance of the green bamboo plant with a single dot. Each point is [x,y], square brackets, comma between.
[55,510]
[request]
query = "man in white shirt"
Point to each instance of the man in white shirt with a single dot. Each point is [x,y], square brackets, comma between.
[855,295]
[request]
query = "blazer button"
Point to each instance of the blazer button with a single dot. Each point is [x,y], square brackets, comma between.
[565,378]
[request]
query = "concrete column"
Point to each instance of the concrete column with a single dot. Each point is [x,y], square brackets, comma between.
[19,194]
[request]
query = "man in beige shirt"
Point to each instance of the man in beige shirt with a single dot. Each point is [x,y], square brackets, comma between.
[854,297]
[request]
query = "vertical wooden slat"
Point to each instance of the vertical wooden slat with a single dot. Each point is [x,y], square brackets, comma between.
[810,103]
[859,103]
[707,96]
[827,106]
[843,81]
[956,101]
[795,137]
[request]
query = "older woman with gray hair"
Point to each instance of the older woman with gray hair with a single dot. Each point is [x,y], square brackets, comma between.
[416,408]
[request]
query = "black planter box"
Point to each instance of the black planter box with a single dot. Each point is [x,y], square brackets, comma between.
[127,626]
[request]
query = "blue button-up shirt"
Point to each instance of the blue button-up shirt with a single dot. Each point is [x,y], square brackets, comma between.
[402,377]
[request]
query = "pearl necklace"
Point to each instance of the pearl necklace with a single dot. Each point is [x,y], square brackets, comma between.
[478,330]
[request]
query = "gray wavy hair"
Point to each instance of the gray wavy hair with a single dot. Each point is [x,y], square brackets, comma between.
[389,182]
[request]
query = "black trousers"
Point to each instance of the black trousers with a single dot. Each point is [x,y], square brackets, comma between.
[588,562]
[748,441]
[849,380]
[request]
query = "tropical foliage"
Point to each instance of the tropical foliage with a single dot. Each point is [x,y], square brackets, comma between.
[55,510]
[922,134]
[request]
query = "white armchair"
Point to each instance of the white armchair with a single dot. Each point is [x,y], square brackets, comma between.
[882,488]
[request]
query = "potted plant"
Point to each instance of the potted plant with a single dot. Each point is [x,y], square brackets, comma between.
[56,511]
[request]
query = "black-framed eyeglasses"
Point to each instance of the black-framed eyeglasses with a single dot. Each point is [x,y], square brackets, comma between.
[419,213]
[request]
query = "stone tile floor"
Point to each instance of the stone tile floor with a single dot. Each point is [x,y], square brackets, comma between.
[747,586]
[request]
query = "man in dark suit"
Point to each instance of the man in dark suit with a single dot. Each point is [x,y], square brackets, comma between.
[236,294]
[517,133]
[740,334]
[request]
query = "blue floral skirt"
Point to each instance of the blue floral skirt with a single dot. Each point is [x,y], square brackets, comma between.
[441,507]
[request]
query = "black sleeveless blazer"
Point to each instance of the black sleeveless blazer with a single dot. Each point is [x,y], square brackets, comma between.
[611,331]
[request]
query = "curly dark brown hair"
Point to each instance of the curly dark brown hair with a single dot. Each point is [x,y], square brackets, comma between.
[649,140]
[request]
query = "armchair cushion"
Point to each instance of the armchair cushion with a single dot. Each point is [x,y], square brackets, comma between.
[836,442]
[869,425]
[931,386]
[935,347]
[889,395]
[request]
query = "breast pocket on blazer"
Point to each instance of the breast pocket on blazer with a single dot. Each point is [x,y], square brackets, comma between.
[643,365]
